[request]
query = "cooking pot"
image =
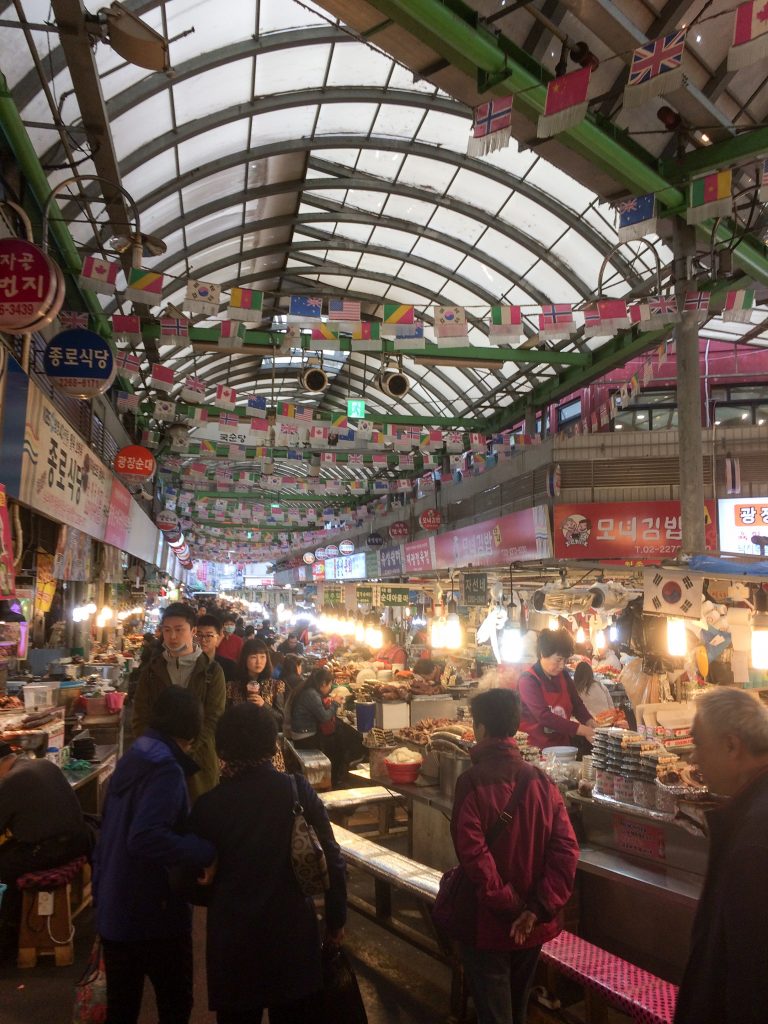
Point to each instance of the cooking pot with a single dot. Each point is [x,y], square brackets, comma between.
[451,767]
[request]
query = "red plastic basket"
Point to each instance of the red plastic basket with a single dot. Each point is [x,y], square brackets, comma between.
[403,773]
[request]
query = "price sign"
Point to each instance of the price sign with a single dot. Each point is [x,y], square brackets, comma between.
[80,363]
[475,588]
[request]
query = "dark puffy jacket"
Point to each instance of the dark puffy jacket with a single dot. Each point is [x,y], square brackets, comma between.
[726,981]
[533,863]
[145,814]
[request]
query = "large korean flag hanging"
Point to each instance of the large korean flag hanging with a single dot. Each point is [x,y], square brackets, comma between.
[670,592]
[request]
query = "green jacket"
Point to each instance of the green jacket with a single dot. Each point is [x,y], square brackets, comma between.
[207,683]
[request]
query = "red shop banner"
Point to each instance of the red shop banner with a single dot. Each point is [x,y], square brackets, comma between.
[519,537]
[119,521]
[418,556]
[624,531]
[7,575]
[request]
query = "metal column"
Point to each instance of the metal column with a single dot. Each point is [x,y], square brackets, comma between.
[688,399]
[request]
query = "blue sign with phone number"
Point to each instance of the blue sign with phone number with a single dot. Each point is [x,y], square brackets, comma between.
[79,362]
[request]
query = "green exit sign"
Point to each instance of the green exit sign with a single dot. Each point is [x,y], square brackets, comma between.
[356,408]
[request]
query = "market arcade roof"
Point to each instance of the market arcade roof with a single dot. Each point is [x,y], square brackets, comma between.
[300,148]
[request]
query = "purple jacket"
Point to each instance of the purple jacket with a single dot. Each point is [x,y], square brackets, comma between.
[539,693]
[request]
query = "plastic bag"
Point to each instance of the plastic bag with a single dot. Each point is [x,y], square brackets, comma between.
[342,1002]
[91,990]
[639,686]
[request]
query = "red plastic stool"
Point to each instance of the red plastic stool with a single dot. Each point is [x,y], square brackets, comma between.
[52,934]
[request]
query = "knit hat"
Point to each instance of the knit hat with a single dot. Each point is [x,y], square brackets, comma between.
[5,750]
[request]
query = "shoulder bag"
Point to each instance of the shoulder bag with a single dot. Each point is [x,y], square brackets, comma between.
[455,906]
[307,854]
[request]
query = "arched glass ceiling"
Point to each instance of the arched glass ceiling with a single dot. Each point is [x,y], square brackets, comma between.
[289,154]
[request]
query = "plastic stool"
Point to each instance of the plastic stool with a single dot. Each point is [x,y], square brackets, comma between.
[52,934]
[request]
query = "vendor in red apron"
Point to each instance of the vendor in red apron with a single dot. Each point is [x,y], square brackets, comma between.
[549,699]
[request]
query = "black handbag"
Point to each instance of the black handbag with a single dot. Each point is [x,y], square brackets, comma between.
[455,906]
[342,1002]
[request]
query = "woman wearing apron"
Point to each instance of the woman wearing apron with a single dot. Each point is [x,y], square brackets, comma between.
[549,699]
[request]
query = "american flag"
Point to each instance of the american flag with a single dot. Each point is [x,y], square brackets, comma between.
[304,412]
[343,309]
[69,319]
[657,58]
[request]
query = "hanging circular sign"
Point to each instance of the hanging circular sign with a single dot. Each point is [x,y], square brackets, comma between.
[308,558]
[331,551]
[554,481]
[167,521]
[80,363]
[173,536]
[28,285]
[346,548]
[374,540]
[135,464]
[398,530]
[430,519]
[320,554]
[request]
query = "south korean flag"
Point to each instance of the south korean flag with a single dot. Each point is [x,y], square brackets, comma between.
[668,592]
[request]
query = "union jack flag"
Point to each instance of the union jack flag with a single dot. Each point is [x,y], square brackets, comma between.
[662,307]
[69,319]
[657,58]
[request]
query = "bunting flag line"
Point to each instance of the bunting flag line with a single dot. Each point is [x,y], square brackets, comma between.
[506,325]
[161,377]
[325,333]
[566,103]
[409,337]
[229,334]
[738,306]
[697,302]
[70,319]
[304,307]
[592,323]
[656,68]
[556,320]
[128,366]
[366,336]
[198,416]
[491,126]
[145,286]
[164,410]
[750,35]
[710,196]
[613,314]
[255,404]
[663,310]
[127,327]
[174,327]
[640,315]
[637,217]
[245,304]
[193,390]
[203,297]
[396,317]
[99,275]
[450,322]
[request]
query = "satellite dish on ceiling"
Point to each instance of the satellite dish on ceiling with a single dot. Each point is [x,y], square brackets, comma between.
[131,38]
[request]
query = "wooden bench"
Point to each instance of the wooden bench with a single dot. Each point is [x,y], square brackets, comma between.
[69,887]
[312,764]
[607,978]
[341,804]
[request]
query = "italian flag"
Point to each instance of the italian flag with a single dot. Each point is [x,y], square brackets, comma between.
[750,35]
[506,324]
[738,306]
[710,196]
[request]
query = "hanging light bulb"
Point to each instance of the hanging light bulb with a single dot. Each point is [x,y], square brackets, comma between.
[554,622]
[613,633]
[600,640]
[760,631]
[677,638]
[581,636]
[511,645]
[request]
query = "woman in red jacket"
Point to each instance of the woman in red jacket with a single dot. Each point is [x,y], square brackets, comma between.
[550,702]
[524,879]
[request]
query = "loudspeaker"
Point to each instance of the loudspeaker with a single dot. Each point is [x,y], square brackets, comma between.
[394,383]
[314,379]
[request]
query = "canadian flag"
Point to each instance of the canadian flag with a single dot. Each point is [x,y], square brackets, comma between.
[226,398]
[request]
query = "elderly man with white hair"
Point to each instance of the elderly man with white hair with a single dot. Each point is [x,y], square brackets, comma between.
[726,979]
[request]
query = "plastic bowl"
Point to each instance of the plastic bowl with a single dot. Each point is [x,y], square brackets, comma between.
[403,773]
[561,753]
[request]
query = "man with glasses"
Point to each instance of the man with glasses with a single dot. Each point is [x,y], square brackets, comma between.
[209,636]
[552,712]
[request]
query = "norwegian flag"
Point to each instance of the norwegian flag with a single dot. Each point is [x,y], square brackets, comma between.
[128,366]
[697,302]
[491,126]
[162,378]
[174,327]
[556,320]
[226,398]
[656,68]
[69,319]
[229,419]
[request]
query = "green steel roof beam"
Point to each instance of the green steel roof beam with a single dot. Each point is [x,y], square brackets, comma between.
[728,153]
[23,150]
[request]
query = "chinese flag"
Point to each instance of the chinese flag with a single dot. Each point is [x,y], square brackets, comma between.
[566,103]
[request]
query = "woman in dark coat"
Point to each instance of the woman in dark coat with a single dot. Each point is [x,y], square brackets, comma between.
[263,948]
